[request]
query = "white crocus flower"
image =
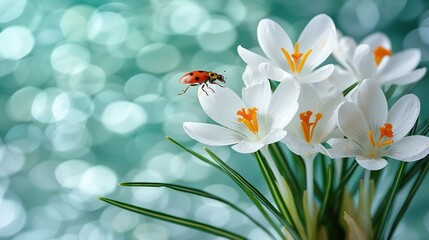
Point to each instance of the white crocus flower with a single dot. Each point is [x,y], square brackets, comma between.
[373,59]
[249,124]
[299,61]
[313,123]
[373,132]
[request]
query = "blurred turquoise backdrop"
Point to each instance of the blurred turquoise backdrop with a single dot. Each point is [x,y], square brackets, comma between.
[89,91]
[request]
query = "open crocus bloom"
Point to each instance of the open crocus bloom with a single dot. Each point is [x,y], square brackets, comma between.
[287,60]
[313,123]
[373,59]
[248,124]
[373,133]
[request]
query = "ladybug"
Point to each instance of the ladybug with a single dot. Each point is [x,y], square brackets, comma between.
[196,78]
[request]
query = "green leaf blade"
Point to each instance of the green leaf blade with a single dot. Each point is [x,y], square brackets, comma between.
[173,219]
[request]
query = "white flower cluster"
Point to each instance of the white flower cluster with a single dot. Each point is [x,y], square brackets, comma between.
[307,110]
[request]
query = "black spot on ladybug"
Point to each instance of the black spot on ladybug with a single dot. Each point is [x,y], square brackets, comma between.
[200,71]
[197,78]
[190,74]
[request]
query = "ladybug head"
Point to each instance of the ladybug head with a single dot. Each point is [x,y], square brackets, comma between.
[220,78]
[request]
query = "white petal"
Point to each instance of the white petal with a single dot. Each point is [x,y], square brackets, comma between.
[341,78]
[308,98]
[222,106]
[318,75]
[274,136]
[403,115]
[272,38]
[320,36]
[251,58]
[298,145]
[352,122]
[399,65]
[284,103]
[328,122]
[412,77]
[364,63]
[210,134]
[371,164]
[274,73]
[377,39]
[258,95]
[247,147]
[344,51]
[373,104]
[252,76]
[341,147]
[409,148]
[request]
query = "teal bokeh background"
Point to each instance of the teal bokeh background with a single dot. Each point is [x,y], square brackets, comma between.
[89,91]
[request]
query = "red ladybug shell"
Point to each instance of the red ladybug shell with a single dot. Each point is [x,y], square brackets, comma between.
[195,77]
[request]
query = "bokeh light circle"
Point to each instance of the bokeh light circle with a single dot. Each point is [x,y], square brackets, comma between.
[217,34]
[98,180]
[123,117]
[107,28]
[158,58]
[16,42]
[11,9]
[69,58]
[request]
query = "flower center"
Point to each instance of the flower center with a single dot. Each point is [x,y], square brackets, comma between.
[308,127]
[383,140]
[249,118]
[297,63]
[380,52]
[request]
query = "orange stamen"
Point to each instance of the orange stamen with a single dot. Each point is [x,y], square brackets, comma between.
[385,132]
[297,64]
[308,127]
[380,52]
[249,119]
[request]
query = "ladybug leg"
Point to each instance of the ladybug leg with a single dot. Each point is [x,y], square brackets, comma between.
[186,89]
[209,87]
[202,88]
[219,84]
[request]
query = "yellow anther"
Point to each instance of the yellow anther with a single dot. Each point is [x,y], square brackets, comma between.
[385,132]
[297,64]
[249,118]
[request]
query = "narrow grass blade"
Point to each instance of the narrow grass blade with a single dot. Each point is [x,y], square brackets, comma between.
[271,182]
[409,198]
[390,91]
[284,167]
[204,159]
[248,193]
[328,186]
[345,179]
[250,189]
[345,92]
[198,193]
[177,220]
[387,207]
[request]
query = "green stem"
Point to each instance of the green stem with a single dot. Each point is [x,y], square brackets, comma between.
[310,184]
[366,204]
[388,205]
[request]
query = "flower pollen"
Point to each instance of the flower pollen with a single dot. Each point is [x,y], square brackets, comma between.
[296,65]
[249,118]
[308,127]
[380,52]
[385,132]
